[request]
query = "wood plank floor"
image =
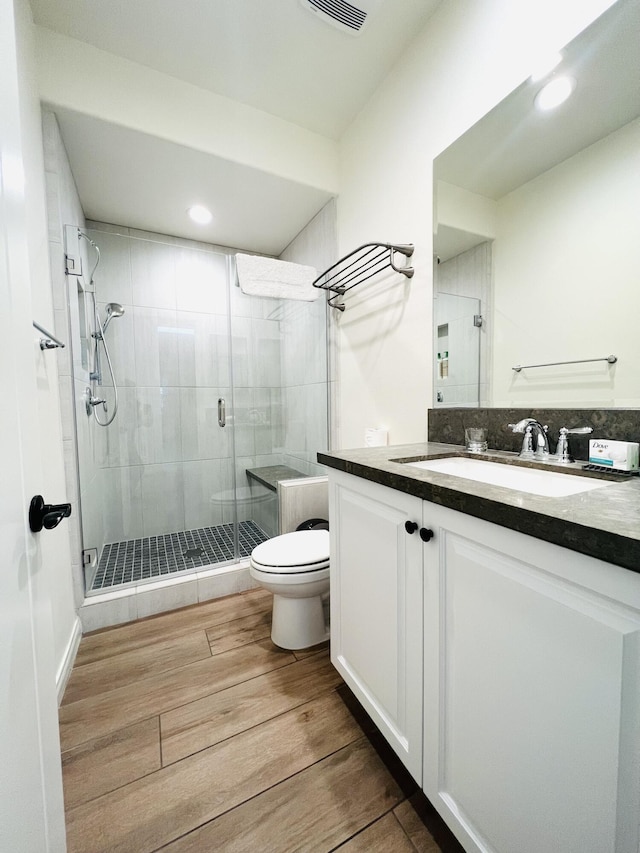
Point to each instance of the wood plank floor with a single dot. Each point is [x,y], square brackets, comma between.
[190,732]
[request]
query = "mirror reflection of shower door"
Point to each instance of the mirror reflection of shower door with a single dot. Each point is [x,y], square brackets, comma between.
[456,350]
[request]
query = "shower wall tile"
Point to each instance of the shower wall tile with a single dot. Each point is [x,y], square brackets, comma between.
[277,417]
[121,344]
[92,519]
[243,429]
[162,494]
[122,504]
[315,403]
[201,282]
[122,434]
[208,492]
[58,277]
[84,433]
[54,217]
[153,274]
[202,437]
[153,237]
[62,331]
[241,331]
[50,141]
[261,416]
[108,227]
[113,274]
[158,425]
[241,304]
[156,346]
[266,353]
[203,349]
[67,418]
[270,459]
[295,436]
[317,244]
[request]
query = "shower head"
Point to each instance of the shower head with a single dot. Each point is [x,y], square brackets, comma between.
[114,309]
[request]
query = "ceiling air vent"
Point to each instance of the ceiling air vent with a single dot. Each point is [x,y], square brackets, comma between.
[345,16]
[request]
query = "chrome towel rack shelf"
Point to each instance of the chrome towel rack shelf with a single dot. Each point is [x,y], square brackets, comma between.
[609,358]
[49,341]
[358,266]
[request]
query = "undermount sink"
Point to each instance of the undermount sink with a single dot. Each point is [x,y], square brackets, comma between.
[552,484]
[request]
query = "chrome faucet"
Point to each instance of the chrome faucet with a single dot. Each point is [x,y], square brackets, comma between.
[563,455]
[535,444]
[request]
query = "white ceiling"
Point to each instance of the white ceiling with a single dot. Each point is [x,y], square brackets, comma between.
[273,55]
[516,142]
[270,54]
[129,178]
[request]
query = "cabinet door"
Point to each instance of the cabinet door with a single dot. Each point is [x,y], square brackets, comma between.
[532,693]
[376,607]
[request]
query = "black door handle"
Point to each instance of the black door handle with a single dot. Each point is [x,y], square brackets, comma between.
[46,515]
[410,526]
[426,534]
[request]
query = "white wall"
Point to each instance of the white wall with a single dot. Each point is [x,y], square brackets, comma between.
[558,295]
[80,77]
[305,367]
[56,551]
[468,57]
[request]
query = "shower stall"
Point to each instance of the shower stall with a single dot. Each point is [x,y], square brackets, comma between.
[191,400]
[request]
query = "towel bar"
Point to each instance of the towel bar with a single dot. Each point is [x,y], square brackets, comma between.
[365,262]
[49,341]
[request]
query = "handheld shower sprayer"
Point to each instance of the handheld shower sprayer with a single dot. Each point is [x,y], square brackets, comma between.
[114,309]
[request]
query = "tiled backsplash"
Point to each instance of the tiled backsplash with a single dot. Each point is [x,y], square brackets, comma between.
[448,425]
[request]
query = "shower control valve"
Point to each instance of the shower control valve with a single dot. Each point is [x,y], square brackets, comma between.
[91,402]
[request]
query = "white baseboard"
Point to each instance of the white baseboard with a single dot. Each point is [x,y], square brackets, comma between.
[66,665]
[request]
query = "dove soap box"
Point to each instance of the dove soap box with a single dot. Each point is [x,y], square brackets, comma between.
[622,455]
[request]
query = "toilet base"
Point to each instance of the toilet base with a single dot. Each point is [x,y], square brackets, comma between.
[298,623]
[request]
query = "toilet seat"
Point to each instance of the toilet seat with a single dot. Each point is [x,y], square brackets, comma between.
[299,552]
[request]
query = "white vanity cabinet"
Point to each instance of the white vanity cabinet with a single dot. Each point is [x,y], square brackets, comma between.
[376,607]
[530,669]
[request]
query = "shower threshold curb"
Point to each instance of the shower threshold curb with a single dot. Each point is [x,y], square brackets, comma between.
[139,600]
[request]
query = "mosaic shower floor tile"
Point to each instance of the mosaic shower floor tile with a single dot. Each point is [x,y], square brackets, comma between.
[160,556]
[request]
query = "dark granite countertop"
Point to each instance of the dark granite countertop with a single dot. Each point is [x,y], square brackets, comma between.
[602,523]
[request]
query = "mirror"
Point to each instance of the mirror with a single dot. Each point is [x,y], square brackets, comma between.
[537,215]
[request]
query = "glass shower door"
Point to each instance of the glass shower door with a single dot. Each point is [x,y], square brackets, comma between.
[456,350]
[157,485]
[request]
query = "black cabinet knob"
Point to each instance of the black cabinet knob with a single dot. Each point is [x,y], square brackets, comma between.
[46,515]
[426,534]
[410,526]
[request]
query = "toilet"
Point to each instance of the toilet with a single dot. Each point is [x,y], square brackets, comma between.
[295,568]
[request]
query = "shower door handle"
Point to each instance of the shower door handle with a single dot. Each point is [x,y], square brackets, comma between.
[222,412]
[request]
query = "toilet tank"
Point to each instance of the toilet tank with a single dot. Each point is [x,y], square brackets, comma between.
[307,497]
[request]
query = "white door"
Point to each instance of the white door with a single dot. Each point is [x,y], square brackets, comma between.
[31,811]
[376,607]
[532,701]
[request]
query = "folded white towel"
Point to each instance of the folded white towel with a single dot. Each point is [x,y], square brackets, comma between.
[259,276]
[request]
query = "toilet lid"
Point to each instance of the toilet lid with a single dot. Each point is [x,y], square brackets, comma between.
[292,552]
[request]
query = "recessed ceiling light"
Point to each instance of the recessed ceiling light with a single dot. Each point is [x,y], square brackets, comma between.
[200,214]
[554,93]
[544,65]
